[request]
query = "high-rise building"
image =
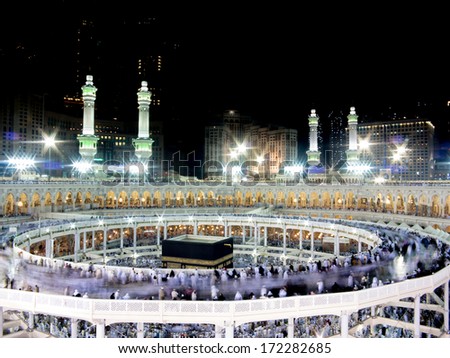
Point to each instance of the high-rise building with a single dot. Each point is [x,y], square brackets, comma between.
[401,149]
[335,151]
[261,150]
[22,125]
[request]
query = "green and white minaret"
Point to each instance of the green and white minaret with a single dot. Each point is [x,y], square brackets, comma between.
[352,152]
[313,152]
[88,140]
[143,143]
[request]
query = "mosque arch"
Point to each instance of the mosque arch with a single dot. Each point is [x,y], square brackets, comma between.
[302,200]
[219,200]
[314,200]
[210,198]
[22,204]
[229,201]
[338,200]
[362,203]
[435,206]
[88,198]
[59,199]
[238,198]
[79,199]
[69,199]
[135,200]
[146,199]
[35,200]
[423,205]
[10,205]
[190,199]
[447,206]
[351,201]
[326,200]
[389,203]
[48,199]
[122,201]
[291,201]
[111,199]
[200,198]
[379,203]
[157,199]
[99,201]
[280,198]
[179,199]
[259,198]
[270,198]
[400,204]
[411,205]
[169,199]
[248,199]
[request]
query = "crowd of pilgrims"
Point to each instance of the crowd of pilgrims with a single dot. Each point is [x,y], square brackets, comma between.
[403,254]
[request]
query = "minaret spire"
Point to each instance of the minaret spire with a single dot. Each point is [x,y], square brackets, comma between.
[143,143]
[313,152]
[88,140]
[352,152]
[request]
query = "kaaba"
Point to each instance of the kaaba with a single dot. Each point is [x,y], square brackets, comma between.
[191,251]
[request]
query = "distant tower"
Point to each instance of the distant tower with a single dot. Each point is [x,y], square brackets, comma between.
[143,143]
[313,152]
[88,140]
[352,152]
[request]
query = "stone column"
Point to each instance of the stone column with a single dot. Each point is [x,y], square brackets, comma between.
[344,324]
[195,228]
[336,244]
[100,329]
[225,229]
[417,333]
[140,330]
[229,329]
[84,240]
[134,237]
[30,322]
[1,321]
[73,328]
[446,307]
[105,232]
[218,330]
[290,327]
[77,245]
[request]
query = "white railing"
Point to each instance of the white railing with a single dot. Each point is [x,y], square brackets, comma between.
[215,312]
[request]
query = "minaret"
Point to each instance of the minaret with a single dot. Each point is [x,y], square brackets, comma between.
[313,152]
[88,140]
[143,143]
[352,152]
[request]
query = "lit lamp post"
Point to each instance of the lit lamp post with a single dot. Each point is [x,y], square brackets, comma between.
[235,155]
[49,143]
[398,157]
[364,148]
[22,166]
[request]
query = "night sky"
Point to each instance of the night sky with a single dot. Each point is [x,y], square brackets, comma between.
[273,62]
